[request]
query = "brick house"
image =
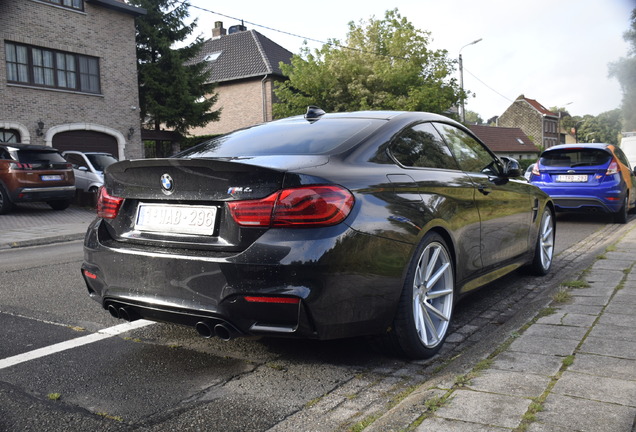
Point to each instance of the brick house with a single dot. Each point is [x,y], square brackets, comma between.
[536,121]
[68,75]
[245,66]
[504,141]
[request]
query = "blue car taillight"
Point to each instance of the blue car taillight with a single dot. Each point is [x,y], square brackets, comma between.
[612,168]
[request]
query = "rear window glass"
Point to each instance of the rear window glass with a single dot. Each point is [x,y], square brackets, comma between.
[572,158]
[101,161]
[39,156]
[289,137]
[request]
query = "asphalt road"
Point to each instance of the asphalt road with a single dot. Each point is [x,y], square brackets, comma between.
[60,369]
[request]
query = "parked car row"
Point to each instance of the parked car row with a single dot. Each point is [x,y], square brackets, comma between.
[31,173]
[590,177]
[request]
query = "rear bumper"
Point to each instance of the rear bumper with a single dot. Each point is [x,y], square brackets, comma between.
[52,193]
[607,198]
[586,204]
[335,299]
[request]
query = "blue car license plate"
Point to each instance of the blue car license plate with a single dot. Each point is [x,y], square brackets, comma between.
[572,178]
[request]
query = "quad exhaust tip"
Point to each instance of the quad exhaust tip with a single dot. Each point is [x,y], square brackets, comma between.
[206,329]
[223,331]
[121,312]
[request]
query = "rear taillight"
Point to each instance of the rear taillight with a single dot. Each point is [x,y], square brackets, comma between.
[107,205]
[20,166]
[535,170]
[309,206]
[612,168]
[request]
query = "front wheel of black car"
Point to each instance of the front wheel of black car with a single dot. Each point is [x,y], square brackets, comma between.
[426,305]
[60,204]
[544,247]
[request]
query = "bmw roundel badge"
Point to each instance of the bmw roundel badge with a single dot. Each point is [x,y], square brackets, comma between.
[167,183]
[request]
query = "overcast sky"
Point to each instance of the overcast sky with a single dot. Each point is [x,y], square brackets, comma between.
[554,51]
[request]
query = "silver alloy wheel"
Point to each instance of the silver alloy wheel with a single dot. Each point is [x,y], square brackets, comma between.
[546,240]
[433,294]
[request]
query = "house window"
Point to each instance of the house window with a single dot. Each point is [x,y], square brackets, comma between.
[71,4]
[49,68]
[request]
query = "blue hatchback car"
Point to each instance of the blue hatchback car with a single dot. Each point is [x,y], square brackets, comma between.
[587,177]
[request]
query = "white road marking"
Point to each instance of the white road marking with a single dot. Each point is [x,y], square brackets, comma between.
[74,343]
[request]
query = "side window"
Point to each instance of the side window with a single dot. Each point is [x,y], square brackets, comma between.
[471,155]
[421,146]
[76,160]
[621,156]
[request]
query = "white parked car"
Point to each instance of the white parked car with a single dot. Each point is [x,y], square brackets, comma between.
[89,168]
[628,145]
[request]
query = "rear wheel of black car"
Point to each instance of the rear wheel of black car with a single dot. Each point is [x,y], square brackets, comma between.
[544,247]
[621,215]
[5,204]
[424,313]
[59,204]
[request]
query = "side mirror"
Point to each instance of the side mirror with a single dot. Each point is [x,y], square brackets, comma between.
[511,167]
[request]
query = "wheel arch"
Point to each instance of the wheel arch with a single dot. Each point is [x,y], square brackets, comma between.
[448,238]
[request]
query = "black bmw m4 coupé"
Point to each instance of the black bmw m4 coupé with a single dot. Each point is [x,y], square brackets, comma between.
[318,226]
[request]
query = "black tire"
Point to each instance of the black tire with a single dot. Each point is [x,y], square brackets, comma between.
[544,246]
[424,313]
[621,215]
[59,204]
[5,203]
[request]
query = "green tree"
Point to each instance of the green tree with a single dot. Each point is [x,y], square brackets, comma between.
[625,71]
[173,90]
[385,64]
[606,127]
[473,118]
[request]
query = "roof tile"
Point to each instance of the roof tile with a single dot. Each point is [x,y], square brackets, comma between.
[503,139]
[243,54]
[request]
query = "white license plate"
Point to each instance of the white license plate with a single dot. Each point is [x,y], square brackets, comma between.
[178,219]
[51,177]
[572,178]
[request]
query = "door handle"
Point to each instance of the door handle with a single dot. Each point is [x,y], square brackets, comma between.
[484,189]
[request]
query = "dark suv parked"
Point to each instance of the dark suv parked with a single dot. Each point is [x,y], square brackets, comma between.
[31,173]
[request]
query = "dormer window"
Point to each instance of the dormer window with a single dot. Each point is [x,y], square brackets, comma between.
[71,4]
[212,56]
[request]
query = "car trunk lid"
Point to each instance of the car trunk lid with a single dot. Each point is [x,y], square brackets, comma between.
[183,203]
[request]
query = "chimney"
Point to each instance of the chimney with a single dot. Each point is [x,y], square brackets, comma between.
[218,30]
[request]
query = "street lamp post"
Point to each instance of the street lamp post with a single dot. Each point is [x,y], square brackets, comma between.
[576,130]
[461,77]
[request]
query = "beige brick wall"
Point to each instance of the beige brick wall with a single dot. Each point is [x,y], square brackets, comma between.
[99,32]
[542,131]
[521,115]
[242,105]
